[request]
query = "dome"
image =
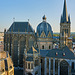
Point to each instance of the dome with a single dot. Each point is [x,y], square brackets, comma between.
[44,27]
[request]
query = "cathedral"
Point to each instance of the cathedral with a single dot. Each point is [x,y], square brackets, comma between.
[34,51]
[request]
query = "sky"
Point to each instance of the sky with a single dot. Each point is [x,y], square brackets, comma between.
[34,10]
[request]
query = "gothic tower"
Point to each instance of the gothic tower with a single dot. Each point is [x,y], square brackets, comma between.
[65,28]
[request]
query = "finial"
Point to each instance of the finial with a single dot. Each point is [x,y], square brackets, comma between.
[13,19]
[44,18]
[28,20]
[5,30]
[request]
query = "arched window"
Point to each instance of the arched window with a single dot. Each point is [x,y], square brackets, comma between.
[31,65]
[28,65]
[43,47]
[72,65]
[49,47]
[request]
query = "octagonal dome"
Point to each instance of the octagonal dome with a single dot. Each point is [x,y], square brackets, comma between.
[44,27]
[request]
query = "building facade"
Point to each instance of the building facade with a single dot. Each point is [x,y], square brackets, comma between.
[19,36]
[40,57]
[51,61]
[44,35]
[6,64]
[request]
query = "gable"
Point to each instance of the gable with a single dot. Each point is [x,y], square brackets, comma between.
[43,34]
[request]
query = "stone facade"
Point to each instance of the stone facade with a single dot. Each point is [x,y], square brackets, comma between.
[31,62]
[15,41]
[58,61]
[6,64]
[54,66]
[51,62]
[44,41]
[16,44]
[37,48]
[65,29]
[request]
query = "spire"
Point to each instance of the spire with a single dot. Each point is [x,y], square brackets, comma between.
[65,14]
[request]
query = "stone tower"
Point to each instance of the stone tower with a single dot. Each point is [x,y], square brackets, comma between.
[65,39]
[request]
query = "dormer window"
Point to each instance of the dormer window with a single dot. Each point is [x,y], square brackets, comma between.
[63,54]
[56,53]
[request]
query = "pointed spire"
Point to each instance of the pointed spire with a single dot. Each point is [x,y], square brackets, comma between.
[65,14]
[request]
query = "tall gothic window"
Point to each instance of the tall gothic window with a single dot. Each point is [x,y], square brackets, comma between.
[31,65]
[49,47]
[43,47]
[72,65]
[28,65]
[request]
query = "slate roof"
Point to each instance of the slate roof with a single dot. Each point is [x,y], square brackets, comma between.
[29,59]
[30,51]
[43,53]
[44,26]
[21,27]
[52,53]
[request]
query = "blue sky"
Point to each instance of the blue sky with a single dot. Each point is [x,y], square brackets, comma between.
[34,10]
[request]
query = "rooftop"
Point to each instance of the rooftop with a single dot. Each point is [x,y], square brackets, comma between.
[64,53]
[20,27]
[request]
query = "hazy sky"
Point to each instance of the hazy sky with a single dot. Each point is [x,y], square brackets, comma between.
[34,10]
